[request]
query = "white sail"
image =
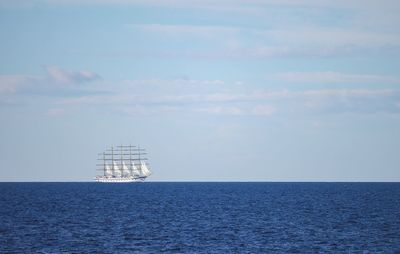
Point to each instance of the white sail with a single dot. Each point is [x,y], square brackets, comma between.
[117,172]
[108,172]
[134,169]
[145,170]
[125,170]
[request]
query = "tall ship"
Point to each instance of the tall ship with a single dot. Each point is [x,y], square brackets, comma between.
[122,164]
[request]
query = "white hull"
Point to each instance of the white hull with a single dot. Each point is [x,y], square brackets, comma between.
[119,179]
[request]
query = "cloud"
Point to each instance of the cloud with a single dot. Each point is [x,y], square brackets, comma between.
[147,110]
[223,110]
[54,76]
[255,96]
[12,83]
[263,110]
[219,5]
[329,36]
[252,110]
[351,93]
[294,40]
[358,101]
[332,77]
[216,4]
[178,82]
[62,76]
[212,96]
[254,103]
[56,112]
[301,28]
[247,110]
[188,30]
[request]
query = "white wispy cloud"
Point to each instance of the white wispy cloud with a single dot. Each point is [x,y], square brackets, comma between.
[187,30]
[55,112]
[332,77]
[63,76]
[247,110]
[329,36]
[54,76]
[12,83]
[254,96]
[263,110]
[209,4]
[351,93]
[212,96]
[223,110]
[147,110]
[365,101]
[256,103]
[177,82]
[278,41]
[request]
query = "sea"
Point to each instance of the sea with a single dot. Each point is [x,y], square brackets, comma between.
[190,217]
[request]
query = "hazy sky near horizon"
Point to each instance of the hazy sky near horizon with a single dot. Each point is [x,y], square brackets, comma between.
[240,90]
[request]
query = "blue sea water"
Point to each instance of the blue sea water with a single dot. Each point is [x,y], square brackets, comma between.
[200,218]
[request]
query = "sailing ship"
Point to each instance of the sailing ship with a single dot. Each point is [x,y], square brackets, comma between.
[123,164]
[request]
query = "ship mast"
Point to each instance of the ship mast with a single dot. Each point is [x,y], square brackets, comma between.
[104,163]
[140,162]
[130,159]
[112,159]
[122,158]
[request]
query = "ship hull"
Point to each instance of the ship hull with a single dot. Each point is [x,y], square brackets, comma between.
[119,180]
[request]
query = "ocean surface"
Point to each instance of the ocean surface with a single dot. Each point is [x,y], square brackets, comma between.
[200,218]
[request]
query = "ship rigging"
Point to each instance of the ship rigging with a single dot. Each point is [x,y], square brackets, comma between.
[122,164]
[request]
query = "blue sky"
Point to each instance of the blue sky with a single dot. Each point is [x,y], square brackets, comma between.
[215,90]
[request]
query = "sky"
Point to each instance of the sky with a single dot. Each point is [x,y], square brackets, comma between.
[238,90]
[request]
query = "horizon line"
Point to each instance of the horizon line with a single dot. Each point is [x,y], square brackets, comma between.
[211,181]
